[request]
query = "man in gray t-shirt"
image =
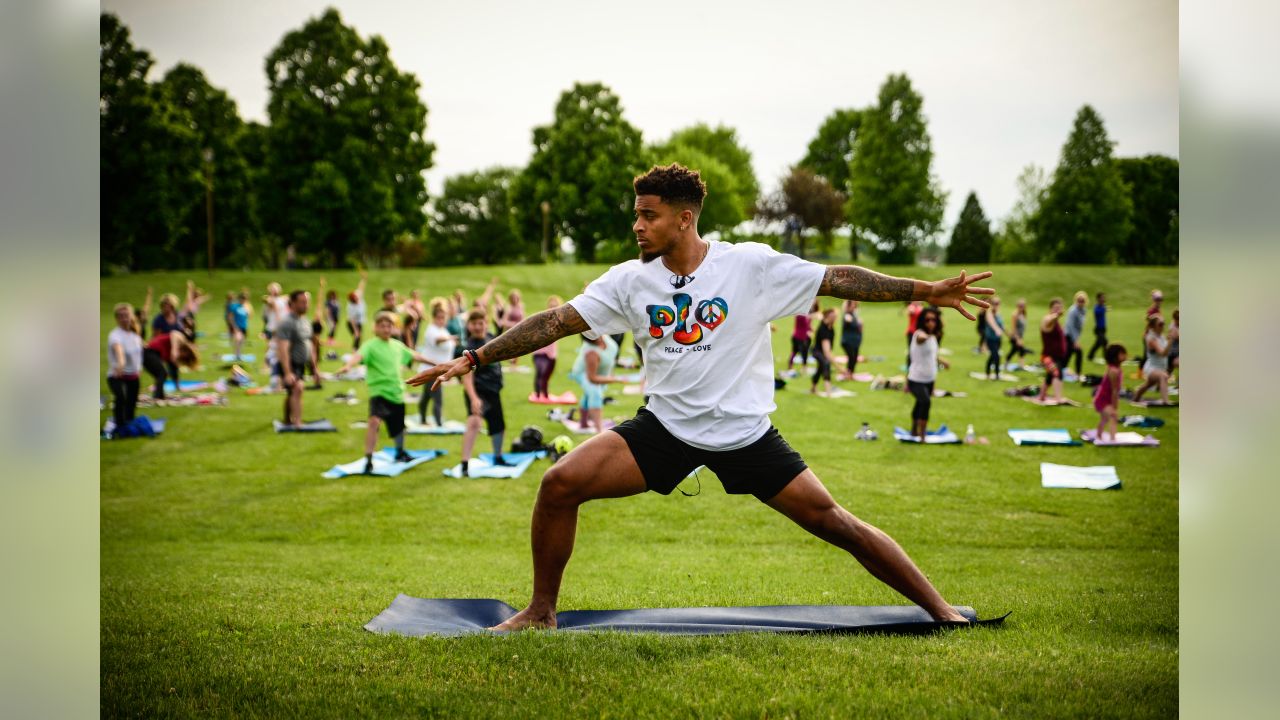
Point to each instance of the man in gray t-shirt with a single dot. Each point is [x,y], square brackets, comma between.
[1074,328]
[293,351]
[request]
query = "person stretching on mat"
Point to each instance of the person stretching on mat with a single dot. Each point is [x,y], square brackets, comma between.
[800,336]
[1155,369]
[1018,338]
[710,383]
[544,358]
[823,339]
[162,356]
[850,337]
[294,352]
[1075,329]
[1053,353]
[238,313]
[593,370]
[1099,327]
[923,370]
[483,395]
[355,310]
[994,336]
[124,365]
[437,347]
[383,357]
[1106,400]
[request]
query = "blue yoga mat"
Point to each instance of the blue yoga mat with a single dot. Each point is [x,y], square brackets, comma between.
[941,436]
[231,358]
[384,463]
[418,617]
[157,426]
[483,467]
[186,386]
[1054,436]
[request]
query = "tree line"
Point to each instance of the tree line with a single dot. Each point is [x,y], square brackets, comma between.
[335,177]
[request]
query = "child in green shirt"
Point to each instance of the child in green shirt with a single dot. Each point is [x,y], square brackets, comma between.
[383,357]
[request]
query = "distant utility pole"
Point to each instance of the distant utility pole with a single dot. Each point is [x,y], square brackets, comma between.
[546,227]
[208,202]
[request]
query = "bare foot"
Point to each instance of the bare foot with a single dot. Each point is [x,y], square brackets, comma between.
[527,619]
[950,616]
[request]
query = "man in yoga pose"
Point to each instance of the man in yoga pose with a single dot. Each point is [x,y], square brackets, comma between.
[701,311]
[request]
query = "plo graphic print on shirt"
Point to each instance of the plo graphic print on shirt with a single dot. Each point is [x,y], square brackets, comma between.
[707,353]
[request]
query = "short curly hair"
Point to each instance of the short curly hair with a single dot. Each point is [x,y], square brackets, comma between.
[673,183]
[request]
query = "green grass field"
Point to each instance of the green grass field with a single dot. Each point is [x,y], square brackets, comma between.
[235,580]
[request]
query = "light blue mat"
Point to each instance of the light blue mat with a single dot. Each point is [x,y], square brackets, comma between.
[941,436]
[231,358]
[1055,436]
[321,425]
[483,467]
[185,386]
[384,463]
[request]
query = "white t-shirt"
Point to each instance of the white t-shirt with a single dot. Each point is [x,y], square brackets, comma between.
[355,313]
[276,309]
[924,360]
[707,353]
[131,343]
[438,352]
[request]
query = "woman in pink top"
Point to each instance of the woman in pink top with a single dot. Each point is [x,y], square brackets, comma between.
[1107,398]
[544,359]
[800,337]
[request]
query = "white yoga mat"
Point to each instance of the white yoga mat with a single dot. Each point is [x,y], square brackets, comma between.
[1100,477]
[1121,439]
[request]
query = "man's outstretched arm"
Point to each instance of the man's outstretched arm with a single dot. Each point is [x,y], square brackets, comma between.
[850,282]
[534,332]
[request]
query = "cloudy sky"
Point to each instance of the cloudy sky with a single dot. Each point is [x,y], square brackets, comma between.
[1001,79]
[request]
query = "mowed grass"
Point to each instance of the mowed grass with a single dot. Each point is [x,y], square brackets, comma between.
[235,580]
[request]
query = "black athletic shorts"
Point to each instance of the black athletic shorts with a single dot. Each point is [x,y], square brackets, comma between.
[762,468]
[491,412]
[391,413]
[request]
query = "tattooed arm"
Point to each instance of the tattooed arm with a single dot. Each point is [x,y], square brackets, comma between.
[851,282]
[534,332]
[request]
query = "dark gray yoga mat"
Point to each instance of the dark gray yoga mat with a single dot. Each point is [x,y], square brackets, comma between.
[418,617]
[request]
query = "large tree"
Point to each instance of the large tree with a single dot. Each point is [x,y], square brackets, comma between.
[1015,241]
[346,147]
[148,161]
[831,151]
[721,143]
[471,221]
[210,114]
[1153,189]
[1086,213]
[894,199]
[805,200]
[582,167]
[971,237]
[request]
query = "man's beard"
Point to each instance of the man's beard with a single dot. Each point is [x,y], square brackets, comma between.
[648,257]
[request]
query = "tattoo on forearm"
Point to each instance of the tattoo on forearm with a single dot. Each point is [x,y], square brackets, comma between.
[851,282]
[534,332]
